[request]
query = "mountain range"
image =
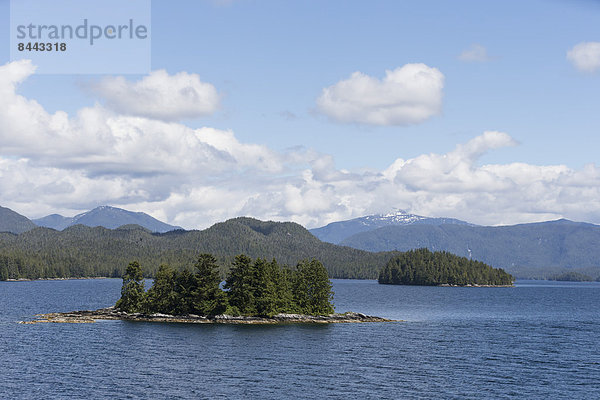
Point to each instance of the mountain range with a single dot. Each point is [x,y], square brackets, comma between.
[535,250]
[337,232]
[107,217]
[539,250]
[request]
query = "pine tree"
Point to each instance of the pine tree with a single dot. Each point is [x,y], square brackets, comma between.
[242,285]
[132,291]
[273,293]
[185,287]
[282,277]
[311,289]
[208,298]
[161,297]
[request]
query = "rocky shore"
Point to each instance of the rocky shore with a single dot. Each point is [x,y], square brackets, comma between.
[110,313]
[473,285]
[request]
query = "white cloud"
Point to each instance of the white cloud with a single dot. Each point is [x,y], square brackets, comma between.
[196,177]
[103,142]
[475,53]
[585,56]
[160,95]
[407,95]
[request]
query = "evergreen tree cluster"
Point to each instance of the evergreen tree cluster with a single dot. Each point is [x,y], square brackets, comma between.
[252,288]
[572,276]
[423,267]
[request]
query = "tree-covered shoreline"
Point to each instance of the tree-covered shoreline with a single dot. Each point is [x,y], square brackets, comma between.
[423,267]
[252,288]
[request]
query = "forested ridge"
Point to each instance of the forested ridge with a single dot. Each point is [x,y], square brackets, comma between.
[423,267]
[81,251]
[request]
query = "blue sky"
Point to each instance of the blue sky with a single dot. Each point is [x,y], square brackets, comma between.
[271,61]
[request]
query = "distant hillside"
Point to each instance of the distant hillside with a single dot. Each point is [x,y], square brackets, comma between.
[107,217]
[14,222]
[336,232]
[85,251]
[537,250]
[54,221]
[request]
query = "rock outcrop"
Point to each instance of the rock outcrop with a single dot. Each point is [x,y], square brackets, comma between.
[110,313]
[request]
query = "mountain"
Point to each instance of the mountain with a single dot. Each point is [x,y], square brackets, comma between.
[14,222]
[82,251]
[54,221]
[336,232]
[527,250]
[108,217]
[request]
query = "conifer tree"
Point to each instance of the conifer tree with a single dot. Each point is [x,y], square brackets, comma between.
[273,293]
[184,288]
[311,289]
[161,297]
[242,284]
[208,298]
[132,291]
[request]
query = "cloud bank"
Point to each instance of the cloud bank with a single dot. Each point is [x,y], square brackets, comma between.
[196,177]
[585,56]
[407,95]
[160,96]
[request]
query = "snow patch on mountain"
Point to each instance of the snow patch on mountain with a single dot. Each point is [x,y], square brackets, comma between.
[336,232]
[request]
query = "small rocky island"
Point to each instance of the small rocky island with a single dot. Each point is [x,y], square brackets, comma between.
[110,313]
[255,292]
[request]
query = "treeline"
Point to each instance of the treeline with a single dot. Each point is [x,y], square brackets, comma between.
[423,267]
[572,276]
[81,251]
[252,288]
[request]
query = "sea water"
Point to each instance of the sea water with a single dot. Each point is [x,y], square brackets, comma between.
[537,340]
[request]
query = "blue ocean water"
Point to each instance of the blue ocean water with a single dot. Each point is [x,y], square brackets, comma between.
[536,340]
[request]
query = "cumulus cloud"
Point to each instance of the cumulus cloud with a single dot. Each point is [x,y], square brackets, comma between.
[475,53]
[160,95]
[585,56]
[406,95]
[196,177]
[103,142]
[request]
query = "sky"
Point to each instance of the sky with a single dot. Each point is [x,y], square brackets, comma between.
[315,112]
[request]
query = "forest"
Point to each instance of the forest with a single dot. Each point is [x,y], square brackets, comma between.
[252,288]
[423,267]
[81,251]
